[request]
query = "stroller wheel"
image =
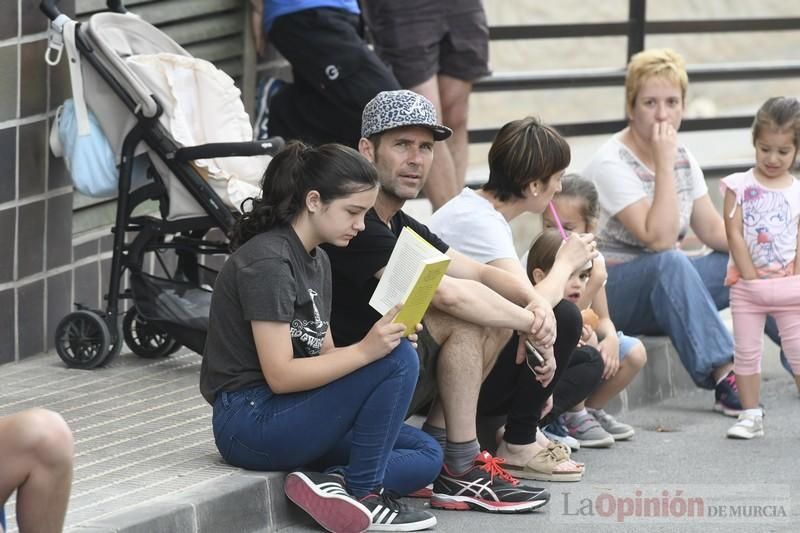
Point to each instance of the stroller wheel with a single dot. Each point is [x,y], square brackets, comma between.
[83,339]
[116,340]
[145,339]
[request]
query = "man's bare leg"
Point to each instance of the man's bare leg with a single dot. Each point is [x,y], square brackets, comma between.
[460,372]
[442,183]
[37,449]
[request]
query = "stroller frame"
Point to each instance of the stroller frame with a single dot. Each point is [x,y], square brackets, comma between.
[87,338]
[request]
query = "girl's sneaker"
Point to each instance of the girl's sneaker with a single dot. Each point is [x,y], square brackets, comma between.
[747,427]
[556,432]
[324,498]
[613,427]
[388,514]
[587,430]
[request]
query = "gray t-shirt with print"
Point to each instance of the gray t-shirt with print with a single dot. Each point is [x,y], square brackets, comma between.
[272,278]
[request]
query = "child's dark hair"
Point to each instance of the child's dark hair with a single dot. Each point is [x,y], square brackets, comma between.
[575,186]
[332,170]
[781,113]
[542,254]
[524,151]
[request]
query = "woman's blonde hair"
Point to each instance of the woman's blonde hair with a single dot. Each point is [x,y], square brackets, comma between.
[659,62]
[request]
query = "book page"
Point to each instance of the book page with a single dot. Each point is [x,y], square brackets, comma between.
[405,263]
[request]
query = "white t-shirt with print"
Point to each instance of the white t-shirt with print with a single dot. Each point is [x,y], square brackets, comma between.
[622,180]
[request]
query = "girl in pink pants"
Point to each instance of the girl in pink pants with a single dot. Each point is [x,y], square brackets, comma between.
[763,212]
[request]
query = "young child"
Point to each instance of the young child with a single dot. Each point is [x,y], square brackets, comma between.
[271,370]
[763,209]
[577,207]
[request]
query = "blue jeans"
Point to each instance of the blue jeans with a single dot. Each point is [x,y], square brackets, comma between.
[352,424]
[668,293]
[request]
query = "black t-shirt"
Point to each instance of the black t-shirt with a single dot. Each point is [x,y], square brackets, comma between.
[271,277]
[354,267]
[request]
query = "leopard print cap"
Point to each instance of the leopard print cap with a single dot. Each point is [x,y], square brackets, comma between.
[396,109]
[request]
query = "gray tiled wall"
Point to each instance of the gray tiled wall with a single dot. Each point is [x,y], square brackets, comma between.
[37,267]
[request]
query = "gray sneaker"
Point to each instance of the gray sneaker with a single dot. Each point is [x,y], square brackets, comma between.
[613,427]
[587,430]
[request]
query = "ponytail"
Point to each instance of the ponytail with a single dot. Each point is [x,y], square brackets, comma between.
[332,170]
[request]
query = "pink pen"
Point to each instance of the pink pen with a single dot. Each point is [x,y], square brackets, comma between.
[558,221]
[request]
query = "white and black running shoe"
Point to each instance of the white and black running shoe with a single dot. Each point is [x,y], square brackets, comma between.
[388,514]
[485,487]
[324,498]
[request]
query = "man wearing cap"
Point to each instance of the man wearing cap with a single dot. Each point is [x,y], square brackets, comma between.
[472,314]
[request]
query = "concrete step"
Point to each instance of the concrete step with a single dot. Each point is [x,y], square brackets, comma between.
[243,502]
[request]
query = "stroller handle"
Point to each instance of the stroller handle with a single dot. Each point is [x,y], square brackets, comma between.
[50,7]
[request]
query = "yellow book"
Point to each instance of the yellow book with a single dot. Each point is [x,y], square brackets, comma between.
[411,276]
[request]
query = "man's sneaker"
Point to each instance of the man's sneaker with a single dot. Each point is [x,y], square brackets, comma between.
[425,492]
[615,428]
[485,487]
[726,396]
[324,498]
[266,89]
[388,514]
[747,427]
[587,430]
[556,432]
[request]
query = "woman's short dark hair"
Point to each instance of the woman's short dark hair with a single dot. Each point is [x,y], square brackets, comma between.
[333,170]
[524,151]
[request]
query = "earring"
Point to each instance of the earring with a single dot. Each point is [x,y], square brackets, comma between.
[535,193]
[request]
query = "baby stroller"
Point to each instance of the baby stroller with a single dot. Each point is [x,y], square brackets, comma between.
[114,59]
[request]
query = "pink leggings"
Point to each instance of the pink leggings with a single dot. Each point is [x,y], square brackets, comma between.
[751,301]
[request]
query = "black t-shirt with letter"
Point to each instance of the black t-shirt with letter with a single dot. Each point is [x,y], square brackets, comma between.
[354,267]
[272,278]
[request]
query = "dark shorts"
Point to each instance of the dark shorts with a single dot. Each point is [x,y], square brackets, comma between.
[428,351]
[421,38]
[335,75]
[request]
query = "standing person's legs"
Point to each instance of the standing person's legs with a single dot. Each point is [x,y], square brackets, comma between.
[712,269]
[436,49]
[663,294]
[454,97]
[463,58]
[335,73]
[749,314]
[257,430]
[36,448]
[442,183]
[787,316]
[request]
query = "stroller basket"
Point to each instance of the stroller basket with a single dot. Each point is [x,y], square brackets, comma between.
[179,308]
